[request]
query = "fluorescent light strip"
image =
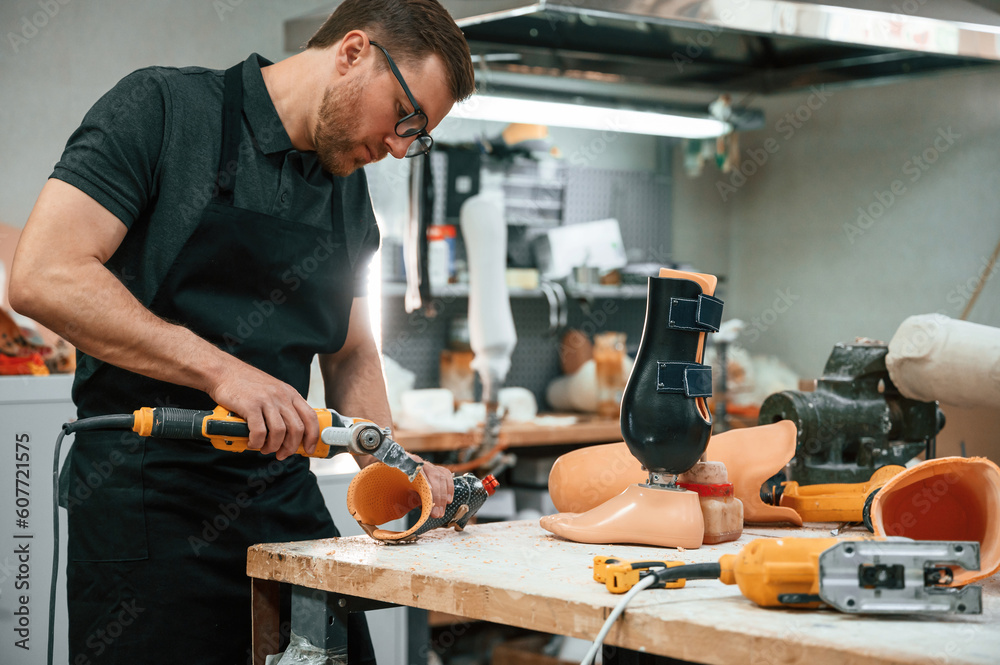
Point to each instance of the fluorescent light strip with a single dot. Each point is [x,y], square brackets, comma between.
[559,114]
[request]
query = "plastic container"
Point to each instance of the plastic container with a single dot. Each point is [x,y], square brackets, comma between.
[441,254]
[609,352]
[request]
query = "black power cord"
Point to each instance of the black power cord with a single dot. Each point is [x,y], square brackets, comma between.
[655,577]
[118,422]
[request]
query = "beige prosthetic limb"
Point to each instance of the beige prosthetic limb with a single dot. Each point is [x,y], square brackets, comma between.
[583,479]
[932,357]
[586,478]
[644,513]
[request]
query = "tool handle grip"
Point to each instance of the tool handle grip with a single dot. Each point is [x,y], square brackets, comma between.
[227,429]
[222,429]
[171,423]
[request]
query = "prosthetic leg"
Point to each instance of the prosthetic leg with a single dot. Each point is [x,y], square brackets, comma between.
[665,422]
[585,478]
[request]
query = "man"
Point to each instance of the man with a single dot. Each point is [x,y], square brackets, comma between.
[204,235]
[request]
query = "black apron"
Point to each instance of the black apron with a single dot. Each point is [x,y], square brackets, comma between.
[159,528]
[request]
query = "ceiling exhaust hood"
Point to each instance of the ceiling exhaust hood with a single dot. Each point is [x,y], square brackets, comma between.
[760,46]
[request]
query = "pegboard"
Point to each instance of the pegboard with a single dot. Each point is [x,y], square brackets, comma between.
[416,341]
[641,201]
[534,192]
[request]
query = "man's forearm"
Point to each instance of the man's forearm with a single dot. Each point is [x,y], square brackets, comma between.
[354,387]
[90,308]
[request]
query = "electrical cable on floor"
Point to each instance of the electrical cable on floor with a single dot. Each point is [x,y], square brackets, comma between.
[117,422]
[643,584]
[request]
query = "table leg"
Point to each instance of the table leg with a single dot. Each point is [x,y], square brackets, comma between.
[321,619]
[265,616]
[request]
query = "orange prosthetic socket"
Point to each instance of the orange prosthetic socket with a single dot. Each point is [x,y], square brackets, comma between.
[641,514]
[952,498]
[752,455]
[381,494]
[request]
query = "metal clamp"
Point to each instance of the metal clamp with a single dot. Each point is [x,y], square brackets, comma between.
[366,438]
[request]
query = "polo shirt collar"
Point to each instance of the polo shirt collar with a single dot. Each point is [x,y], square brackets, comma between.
[259,109]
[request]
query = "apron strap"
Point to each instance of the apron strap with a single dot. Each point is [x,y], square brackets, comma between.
[232,125]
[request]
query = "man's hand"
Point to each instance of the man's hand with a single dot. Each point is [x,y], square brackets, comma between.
[279,419]
[442,485]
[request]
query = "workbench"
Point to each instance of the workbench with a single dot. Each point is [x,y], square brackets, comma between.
[516,573]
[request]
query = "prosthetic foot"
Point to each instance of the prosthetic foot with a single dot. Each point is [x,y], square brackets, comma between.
[381,494]
[585,478]
[642,514]
[665,422]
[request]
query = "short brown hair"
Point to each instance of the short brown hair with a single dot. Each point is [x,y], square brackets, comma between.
[410,30]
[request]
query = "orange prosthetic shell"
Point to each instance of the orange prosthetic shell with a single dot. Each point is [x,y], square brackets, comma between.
[951,498]
[380,494]
[752,455]
[585,478]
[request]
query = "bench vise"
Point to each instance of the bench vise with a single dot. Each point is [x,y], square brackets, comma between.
[855,421]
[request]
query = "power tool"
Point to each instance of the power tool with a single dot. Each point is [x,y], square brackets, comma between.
[858,576]
[227,431]
[888,576]
[836,502]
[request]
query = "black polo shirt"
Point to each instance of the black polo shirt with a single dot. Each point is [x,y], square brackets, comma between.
[148,151]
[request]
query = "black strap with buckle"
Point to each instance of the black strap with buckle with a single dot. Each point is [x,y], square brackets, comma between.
[692,379]
[701,314]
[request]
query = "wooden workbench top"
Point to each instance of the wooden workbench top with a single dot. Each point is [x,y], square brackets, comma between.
[516,573]
[586,429]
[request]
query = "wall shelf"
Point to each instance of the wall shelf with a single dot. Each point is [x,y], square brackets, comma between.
[586,292]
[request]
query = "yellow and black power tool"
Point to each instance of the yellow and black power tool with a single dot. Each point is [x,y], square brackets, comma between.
[859,576]
[835,502]
[227,431]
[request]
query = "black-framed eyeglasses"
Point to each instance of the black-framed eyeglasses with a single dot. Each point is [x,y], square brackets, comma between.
[414,124]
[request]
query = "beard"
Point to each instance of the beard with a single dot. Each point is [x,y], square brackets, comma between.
[337,125]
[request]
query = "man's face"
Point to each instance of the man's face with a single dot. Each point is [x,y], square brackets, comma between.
[338,130]
[356,123]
